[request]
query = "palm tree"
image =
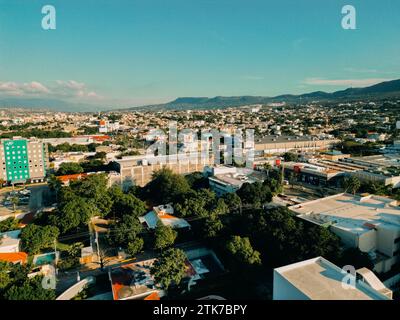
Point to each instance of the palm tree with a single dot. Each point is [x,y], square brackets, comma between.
[267,168]
[15,201]
[352,184]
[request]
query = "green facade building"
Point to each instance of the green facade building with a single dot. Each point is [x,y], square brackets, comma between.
[23,160]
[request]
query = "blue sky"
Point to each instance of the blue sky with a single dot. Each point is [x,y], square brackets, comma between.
[136,52]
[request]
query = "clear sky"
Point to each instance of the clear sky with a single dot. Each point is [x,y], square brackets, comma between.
[143,51]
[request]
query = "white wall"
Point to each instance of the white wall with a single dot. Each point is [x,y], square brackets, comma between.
[348,239]
[284,290]
[367,241]
[9,249]
[386,240]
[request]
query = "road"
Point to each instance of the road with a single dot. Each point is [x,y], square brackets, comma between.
[36,200]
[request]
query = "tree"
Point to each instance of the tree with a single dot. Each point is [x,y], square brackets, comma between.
[34,238]
[351,184]
[220,208]
[290,157]
[292,179]
[212,226]
[9,224]
[197,181]
[15,201]
[94,189]
[75,213]
[274,183]
[69,168]
[126,204]
[164,236]
[169,268]
[241,248]
[166,186]
[267,168]
[196,203]
[5,278]
[31,289]
[286,239]
[233,201]
[135,246]
[354,257]
[255,194]
[125,231]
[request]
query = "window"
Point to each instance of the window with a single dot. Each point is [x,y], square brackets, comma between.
[397,240]
[396,253]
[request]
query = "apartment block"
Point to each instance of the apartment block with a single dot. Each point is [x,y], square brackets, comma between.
[23,160]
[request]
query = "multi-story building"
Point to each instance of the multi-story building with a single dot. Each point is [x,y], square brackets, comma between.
[281,144]
[23,160]
[229,179]
[138,170]
[370,223]
[319,279]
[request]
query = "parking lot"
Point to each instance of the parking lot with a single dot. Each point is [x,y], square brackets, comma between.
[26,200]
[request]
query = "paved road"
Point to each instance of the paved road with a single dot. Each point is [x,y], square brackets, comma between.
[37,198]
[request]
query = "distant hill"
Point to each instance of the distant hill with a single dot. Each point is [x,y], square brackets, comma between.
[49,104]
[380,90]
[383,89]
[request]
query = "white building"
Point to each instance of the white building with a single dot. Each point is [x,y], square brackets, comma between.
[164,214]
[10,241]
[319,279]
[227,179]
[370,223]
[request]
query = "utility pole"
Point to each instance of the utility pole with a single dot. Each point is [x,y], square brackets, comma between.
[55,255]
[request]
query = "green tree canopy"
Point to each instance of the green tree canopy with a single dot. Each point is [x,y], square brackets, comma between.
[212,226]
[69,168]
[125,204]
[125,231]
[35,238]
[255,194]
[166,186]
[197,181]
[290,157]
[351,184]
[31,289]
[164,236]
[233,201]
[135,246]
[9,224]
[169,268]
[196,203]
[75,213]
[241,248]
[5,278]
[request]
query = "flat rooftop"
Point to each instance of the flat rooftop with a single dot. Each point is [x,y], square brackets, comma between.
[132,280]
[239,177]
[357,214]
[381,160]
[281,139]
[320,279]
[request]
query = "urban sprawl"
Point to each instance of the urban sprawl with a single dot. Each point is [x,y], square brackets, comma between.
[304,208]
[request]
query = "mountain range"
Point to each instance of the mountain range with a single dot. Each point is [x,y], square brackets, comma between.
[381,90]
